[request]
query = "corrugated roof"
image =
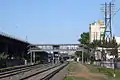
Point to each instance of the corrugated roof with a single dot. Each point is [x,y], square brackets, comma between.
[12,37]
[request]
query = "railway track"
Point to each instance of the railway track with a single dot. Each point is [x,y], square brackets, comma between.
[15,68]
[49,76]
[20,70]
[45,74]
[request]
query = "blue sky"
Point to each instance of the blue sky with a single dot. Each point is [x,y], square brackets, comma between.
[51,21]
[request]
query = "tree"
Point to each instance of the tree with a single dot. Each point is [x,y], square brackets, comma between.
[3,55]
[113,44]
[78,53]
[84,38]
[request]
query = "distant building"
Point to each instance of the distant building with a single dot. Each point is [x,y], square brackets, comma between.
[117,39]
[96,30]
[118,42]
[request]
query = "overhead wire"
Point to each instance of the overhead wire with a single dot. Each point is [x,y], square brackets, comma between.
[112,1]
[116,12]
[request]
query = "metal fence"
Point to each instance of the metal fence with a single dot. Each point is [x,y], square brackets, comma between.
[107,64]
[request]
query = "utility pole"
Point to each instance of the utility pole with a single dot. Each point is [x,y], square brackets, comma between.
[82,56]
[108,21]
[107,29]
[26,38]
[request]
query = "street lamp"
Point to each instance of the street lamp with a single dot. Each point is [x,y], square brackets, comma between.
[114,66]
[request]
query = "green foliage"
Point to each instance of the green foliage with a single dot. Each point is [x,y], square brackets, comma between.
[78,53]
[85,55]
[84,38]
[109,43]
[107,71]
[94,44]
[71,67]
[92,59]
[3,55]
[73,78]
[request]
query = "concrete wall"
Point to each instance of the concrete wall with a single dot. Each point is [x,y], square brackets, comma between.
[107,64]
[10,62]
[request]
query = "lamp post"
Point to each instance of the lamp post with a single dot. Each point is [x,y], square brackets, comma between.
[114,67]
[83,55]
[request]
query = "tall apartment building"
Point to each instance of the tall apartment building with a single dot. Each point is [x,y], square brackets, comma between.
[117,39]
[96,30]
